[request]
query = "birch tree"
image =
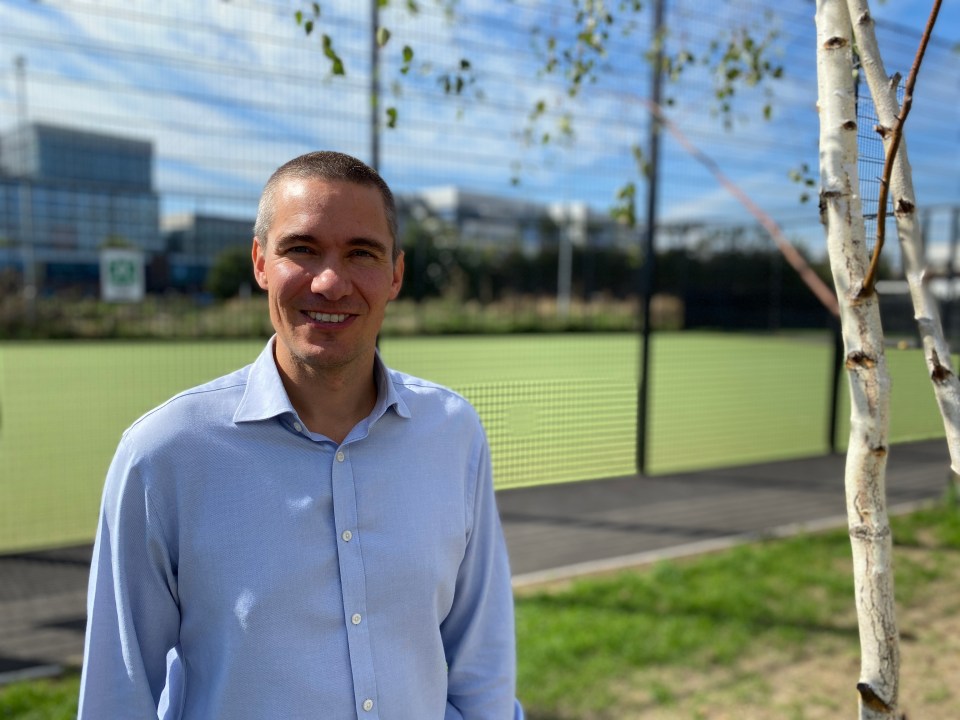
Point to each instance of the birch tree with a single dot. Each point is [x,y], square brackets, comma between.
[854,274]
[890,115]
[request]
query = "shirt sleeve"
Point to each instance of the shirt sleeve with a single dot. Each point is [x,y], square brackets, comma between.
[478,633]
[133,618]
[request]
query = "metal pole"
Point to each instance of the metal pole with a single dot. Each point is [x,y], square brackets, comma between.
[565,264]
[27,247]
[375,94]
[374,85]
[649,246]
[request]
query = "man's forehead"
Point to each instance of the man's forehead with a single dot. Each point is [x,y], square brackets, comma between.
[301,202]
[296,186]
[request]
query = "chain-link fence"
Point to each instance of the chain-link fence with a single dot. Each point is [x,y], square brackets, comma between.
[135,138]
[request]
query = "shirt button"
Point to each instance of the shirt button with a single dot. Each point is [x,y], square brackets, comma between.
[340,456]
[356,619]
[368,704]
[298,427]
[347,536]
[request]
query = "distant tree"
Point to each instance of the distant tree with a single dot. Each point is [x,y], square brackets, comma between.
[426,272]
[116,241]
[230,272]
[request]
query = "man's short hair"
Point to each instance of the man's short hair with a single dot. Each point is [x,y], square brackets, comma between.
[325,165]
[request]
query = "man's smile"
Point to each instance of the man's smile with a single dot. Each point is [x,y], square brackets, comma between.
[327,317]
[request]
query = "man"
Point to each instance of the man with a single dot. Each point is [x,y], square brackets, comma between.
[315,535]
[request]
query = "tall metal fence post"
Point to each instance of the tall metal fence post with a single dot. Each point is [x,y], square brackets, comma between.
[374,85]
[375,94]
[649,249]
[31,281]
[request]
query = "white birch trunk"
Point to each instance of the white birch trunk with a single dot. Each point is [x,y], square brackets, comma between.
[936,352]
[842,215]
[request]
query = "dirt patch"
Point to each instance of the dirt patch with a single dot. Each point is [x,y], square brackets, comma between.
[817,682]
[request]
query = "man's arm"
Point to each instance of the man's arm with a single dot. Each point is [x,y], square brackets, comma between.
[478,633]
[132,613]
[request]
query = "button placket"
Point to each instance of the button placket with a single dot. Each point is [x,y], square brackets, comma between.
[352,580]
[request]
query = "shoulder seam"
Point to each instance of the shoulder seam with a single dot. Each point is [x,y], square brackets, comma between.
[200,390]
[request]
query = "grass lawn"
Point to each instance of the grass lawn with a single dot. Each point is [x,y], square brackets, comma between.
[557,407]
[697,639]
[766,630]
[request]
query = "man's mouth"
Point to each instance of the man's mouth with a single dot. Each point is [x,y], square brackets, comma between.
[327,317]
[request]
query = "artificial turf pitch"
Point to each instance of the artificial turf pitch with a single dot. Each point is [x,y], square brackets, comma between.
[557,408]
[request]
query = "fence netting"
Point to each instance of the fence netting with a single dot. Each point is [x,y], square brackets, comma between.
[135,138]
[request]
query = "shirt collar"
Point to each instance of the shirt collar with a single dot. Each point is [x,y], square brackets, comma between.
[387,395]
[265,397]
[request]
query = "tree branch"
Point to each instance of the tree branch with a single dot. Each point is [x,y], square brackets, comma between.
[870,280]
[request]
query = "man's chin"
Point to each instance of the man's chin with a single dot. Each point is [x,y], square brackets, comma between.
[321,358]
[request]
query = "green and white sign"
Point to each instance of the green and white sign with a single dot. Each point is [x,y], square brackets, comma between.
[121,275]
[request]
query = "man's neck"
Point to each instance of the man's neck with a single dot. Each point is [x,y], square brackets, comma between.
[330,402]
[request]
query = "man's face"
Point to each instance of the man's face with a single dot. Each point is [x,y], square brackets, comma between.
[328,270]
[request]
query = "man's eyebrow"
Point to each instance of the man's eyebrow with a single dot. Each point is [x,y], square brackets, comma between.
[293,238]
[369,243]
[357,242]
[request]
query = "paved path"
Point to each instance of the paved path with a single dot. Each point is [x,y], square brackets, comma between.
[572,529]
[552,531]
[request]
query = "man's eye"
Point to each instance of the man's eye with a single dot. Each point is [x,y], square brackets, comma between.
[299,249]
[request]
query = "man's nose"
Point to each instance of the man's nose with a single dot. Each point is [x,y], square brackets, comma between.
[331,282]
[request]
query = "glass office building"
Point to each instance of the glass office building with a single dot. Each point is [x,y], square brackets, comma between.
[66,193]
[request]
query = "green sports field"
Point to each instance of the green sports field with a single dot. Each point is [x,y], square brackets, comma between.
[557,407]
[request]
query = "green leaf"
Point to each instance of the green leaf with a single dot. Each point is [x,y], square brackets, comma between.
[383,36]
[299,16]
[627,192]
[407,54]
[308,26]
[391,117]
[316,9]
[336,64]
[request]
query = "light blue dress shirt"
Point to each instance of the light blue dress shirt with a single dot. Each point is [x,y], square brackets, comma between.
[245,567]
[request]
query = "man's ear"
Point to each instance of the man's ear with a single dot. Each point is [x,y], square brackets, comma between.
[259,258]
[397,281]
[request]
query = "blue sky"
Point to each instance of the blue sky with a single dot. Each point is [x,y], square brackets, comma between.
[228,90]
